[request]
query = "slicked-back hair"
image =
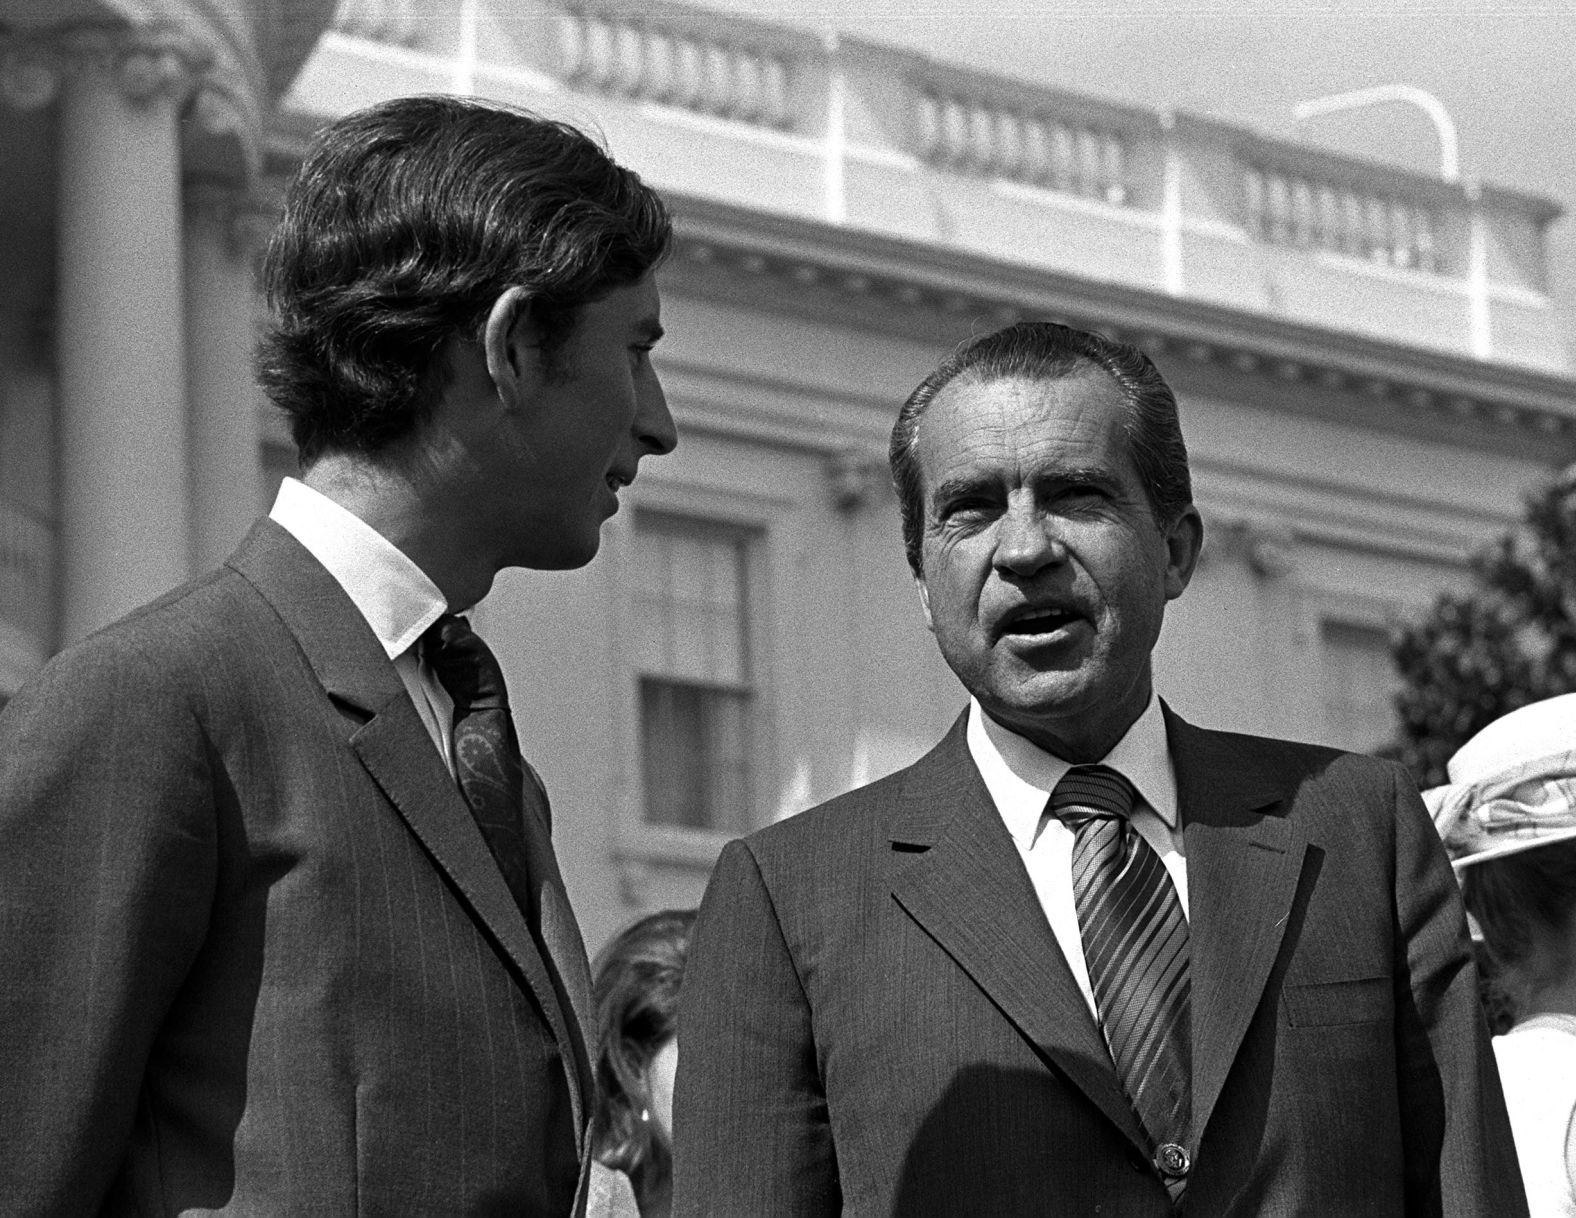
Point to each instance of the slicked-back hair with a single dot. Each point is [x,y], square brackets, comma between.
[403,226]
[1046,351]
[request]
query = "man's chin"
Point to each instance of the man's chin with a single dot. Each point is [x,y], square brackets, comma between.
[559,557]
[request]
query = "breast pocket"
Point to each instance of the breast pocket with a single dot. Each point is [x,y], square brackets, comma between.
[1323,1004]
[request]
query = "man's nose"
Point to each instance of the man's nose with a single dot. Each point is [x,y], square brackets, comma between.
[654,426]
[1027,542]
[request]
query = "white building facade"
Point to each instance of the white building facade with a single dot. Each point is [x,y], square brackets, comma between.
[1367,363]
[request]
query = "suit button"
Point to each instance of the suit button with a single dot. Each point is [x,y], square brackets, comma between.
[1172,1161]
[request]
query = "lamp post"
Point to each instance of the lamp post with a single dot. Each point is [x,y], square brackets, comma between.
[1478,319]
[1444,125]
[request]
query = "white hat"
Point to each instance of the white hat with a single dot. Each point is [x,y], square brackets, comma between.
[1512,786]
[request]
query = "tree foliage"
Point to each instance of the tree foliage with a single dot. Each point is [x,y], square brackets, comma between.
[1508,641]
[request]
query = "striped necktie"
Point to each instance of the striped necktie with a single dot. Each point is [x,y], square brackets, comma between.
[1136,946]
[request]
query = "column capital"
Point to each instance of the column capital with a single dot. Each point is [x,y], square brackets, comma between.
[146,64]
[220,128]
[242,216]
[1267,549]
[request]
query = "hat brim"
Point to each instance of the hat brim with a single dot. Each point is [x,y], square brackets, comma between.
[1516,845]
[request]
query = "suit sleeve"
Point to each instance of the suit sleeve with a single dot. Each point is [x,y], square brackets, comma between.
[1460,1156]
[751,1132]
[107,865]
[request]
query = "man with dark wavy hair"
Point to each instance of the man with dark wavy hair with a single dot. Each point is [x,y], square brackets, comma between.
[281,925]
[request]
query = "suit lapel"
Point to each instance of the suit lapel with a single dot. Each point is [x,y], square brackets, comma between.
[957,873]
[559,929]
[1244,860]
[396,750]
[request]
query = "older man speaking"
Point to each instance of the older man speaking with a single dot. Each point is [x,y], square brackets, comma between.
[1083,956]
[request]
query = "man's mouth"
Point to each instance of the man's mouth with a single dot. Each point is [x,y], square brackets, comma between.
[617,482]
[1034,623]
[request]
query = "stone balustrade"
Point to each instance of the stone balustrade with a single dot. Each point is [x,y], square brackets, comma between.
[1021,143]
[392,21]
[1309,212]
[637,55]
[859,134]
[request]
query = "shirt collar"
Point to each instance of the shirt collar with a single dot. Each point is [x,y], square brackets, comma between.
[1021,776]
[396,596]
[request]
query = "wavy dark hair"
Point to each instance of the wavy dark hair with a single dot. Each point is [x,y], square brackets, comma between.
[1043,351]
[403,226]
[636,996]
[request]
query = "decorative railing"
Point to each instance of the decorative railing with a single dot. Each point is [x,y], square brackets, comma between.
[638,56]
[874,133]
[969,135]
[392,21]
[26,552]
[1310,212]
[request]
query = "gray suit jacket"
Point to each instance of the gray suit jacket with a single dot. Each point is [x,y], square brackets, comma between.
[876,1015]
[256,955]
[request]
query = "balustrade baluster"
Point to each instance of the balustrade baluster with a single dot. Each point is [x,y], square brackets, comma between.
[1403,249]
[928,126]
[718,76]
[777,108]
[747,73]
[628,52]
[1063,158]
[1115,169]
[600,52]
[954,132]
[1352,224]
[1327,219]
[1376,229]
[1009,144]
[981,153]
[1088,163]
[1278,207]
[658,74]
[690,82]
[572,44]
[1301,213]
[1254,203]
[1036,151]
[1427,252]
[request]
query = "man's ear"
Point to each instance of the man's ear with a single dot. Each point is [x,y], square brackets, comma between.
[924,601]
[504,355]
[1184,542]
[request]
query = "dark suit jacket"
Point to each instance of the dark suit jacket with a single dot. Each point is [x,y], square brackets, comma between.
[876,1015]
[255,953]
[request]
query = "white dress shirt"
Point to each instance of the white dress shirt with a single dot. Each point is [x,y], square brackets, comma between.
[1020,777]
[395,596]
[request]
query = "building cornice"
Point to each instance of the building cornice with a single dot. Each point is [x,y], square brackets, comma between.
[933,293]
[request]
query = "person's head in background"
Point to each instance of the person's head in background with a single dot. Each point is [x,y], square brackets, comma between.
[1508,820]
[636,994]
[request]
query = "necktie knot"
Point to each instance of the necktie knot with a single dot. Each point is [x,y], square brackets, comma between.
[1092,792]
[465,665]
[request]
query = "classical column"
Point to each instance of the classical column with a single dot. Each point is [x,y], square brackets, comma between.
[123,487]
[222,233]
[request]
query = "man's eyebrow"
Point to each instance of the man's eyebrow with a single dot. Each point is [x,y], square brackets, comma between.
[960,484]
[1102,474]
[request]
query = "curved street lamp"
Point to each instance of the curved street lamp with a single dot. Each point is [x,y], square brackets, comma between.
[1444,125]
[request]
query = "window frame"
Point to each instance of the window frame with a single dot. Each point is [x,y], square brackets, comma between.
[760,519]
[1367,613]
